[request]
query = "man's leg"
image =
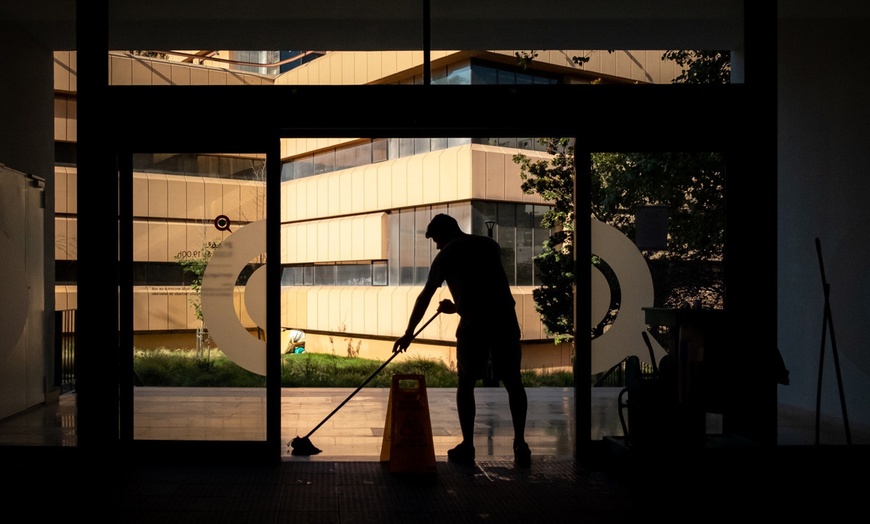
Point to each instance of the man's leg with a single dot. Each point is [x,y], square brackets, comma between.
[463,453]
[519,405]
[466,408]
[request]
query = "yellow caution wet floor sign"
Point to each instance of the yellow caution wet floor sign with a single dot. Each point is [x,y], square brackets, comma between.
[407,444]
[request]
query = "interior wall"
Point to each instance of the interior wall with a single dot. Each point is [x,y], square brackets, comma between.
[22,308]
[27,146]
[823,115]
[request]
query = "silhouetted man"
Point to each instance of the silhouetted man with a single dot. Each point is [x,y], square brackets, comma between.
[488,326]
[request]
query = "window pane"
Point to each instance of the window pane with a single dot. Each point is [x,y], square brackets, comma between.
[541,234]
[460,75]
[379,273]
[506,77]
[525,244]
[324,162]
[421,248]
[287,171]
[393,148]
[308,275]
[353,275]
[324,275]
[352,156]
[523,78]
[421,145]
[406,147]
[304,167]
[393,259]
[438,143]
[483,75]
[526,143]
[379,150]
[506,237]
[406,247]
[483,211]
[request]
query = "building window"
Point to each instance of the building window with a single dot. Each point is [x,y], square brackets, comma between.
[517,230]
[372,273]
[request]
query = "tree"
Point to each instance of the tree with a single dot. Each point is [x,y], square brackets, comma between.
[692,188]
[150,54]
[701,67]
[194,263]
[690,185]
[553,180]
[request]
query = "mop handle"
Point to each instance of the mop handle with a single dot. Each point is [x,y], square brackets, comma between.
[370,378]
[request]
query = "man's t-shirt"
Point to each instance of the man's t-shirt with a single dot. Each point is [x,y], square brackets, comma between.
[471,266]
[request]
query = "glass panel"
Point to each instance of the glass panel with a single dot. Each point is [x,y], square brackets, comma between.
[505,234]
[421,145]
[541,234]
[353,275]
[484,75]
[407,237]
[324,162]
[379,150]
[353,155]
[438,143]
[525,245]
[308,275]
[648,271]
[324,275]
[422,255]
[406,147]
[379,273]
[199,297]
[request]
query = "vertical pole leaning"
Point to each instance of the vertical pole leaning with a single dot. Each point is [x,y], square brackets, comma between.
[828,323]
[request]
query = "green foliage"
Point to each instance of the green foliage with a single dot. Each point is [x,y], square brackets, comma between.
[150,54]
[182,368]
[195,266]
[701,67]
[548,379]
[690,185]
[524,58]
[553,180]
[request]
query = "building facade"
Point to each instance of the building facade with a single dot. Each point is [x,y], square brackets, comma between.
[353,209]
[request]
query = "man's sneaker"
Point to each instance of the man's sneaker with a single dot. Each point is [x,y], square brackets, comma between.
[462,454]
[522,455]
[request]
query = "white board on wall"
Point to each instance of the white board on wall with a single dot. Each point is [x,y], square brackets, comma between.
[21,288]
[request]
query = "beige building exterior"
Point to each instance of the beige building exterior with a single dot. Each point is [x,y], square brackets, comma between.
[341,217]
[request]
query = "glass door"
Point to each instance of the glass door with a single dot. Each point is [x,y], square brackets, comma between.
[196,294]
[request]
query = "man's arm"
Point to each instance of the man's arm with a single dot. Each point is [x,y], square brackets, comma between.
[420,306]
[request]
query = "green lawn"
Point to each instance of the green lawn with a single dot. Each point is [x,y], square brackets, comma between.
[183,368]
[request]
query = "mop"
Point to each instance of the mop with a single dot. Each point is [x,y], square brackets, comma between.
[303,445]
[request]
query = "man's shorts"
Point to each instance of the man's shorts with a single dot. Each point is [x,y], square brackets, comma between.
[473,354]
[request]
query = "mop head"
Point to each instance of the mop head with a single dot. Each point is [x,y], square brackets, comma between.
[303,446]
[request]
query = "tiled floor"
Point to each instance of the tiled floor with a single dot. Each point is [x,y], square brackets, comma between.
[347,483]
[355,431]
